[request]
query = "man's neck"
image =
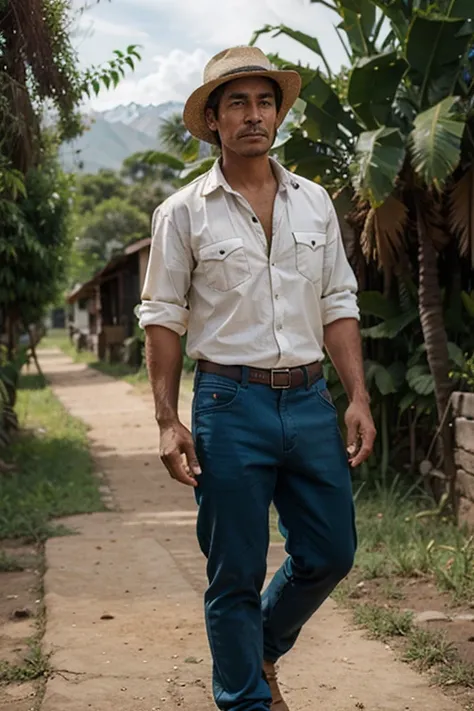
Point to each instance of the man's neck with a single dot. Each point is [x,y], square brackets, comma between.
[247,173]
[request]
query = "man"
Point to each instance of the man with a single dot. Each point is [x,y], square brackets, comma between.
[248,260]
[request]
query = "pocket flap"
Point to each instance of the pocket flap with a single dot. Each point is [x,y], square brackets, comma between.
[220,250]
[310,239]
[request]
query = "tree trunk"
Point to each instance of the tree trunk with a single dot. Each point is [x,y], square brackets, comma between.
[436,342]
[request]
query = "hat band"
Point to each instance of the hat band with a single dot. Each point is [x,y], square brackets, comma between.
[250,68]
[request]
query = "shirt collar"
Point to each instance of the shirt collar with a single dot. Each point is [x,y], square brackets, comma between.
[215,179]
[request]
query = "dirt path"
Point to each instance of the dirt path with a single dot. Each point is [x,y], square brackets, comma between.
[124,610]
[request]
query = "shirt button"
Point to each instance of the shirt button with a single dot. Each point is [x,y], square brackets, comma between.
[254,219]
[277,296]
[280,327]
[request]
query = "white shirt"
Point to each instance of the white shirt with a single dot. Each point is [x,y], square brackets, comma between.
[211,273]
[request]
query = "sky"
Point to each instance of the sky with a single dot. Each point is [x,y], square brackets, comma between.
[178,37]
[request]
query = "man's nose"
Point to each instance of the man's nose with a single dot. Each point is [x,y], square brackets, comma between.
[253,114]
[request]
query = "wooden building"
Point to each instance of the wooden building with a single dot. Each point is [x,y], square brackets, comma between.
[102,311]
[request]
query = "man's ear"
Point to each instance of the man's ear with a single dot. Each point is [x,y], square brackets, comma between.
[211,119]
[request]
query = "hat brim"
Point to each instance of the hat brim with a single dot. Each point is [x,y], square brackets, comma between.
[194,110]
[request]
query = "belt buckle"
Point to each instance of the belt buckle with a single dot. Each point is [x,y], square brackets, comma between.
[280,371]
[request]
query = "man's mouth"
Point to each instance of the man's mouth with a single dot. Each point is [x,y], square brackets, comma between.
[254,134]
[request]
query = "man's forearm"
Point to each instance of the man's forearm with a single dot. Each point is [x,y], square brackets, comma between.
[343,343]
[165,362]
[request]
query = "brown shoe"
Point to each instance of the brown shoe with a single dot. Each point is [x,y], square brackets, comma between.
[271,676]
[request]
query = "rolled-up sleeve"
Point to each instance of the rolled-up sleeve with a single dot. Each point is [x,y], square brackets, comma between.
[168,277]
[339,292]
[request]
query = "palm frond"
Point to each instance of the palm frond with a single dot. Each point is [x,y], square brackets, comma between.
[367,239]
[461,212]
[390,226]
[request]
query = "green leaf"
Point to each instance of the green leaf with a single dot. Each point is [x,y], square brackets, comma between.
[106,80]
[434,48]
[379,158]
[312,159]
[358,24]
[392,327]
[130,63]
[372,87]
[324,108]
[119,53]
[462,8]
[468,302]
[397,372]
[158,158]
[456,355]
[398,12]
[115,77]
[307,41]
[407,401]
[96,86]
[194,170]
[420,379]
[435,142]
[374,303]
[384,381]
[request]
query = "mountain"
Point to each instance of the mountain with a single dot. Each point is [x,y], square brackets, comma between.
[115,134]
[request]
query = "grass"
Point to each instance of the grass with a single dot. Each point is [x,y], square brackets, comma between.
[10,564]
[139,379]
[59,338]
[383,623]
[429,651]
[34,665]
[53,474]
[400,536]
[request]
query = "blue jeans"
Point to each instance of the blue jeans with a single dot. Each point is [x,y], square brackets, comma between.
[256,446]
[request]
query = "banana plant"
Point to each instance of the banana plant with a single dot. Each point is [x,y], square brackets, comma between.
[401,137]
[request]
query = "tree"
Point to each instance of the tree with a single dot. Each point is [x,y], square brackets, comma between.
[401,139]
[174,135]
[91,190]
[110,227]
[38,73]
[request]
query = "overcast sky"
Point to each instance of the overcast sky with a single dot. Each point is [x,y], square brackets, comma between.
[179,36]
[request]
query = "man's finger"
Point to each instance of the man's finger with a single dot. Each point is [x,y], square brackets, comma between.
[368,438]
[174,464]
[190,452]
[352,437]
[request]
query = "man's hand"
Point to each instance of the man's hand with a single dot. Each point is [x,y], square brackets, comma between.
[178,454]
[361,432]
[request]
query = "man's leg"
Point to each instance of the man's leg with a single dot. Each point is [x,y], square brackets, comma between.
[314,500]
[237,433]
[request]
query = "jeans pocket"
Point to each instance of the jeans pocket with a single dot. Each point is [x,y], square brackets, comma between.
[214,393]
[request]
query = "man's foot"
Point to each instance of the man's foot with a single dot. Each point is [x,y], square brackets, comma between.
[271,676]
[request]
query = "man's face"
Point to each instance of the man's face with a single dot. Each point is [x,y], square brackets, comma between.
[246,119]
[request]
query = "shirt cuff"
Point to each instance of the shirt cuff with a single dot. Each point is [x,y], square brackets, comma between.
[340,305]
[159,313]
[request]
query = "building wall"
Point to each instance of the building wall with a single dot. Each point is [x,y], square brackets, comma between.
[463,410]
[80,316]
[143,257]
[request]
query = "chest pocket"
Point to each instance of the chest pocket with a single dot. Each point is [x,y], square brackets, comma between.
[310,254]
[225,264]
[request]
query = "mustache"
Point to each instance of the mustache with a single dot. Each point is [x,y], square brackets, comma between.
[255,132]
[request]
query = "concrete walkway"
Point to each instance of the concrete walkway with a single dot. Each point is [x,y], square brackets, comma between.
[124,596]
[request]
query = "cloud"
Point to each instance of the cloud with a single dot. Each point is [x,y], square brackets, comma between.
[174,78]
[187,33]
[98,26]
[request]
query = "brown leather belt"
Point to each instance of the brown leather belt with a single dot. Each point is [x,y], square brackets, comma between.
[276,378]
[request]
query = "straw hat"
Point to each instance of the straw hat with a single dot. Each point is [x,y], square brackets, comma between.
[231,64]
